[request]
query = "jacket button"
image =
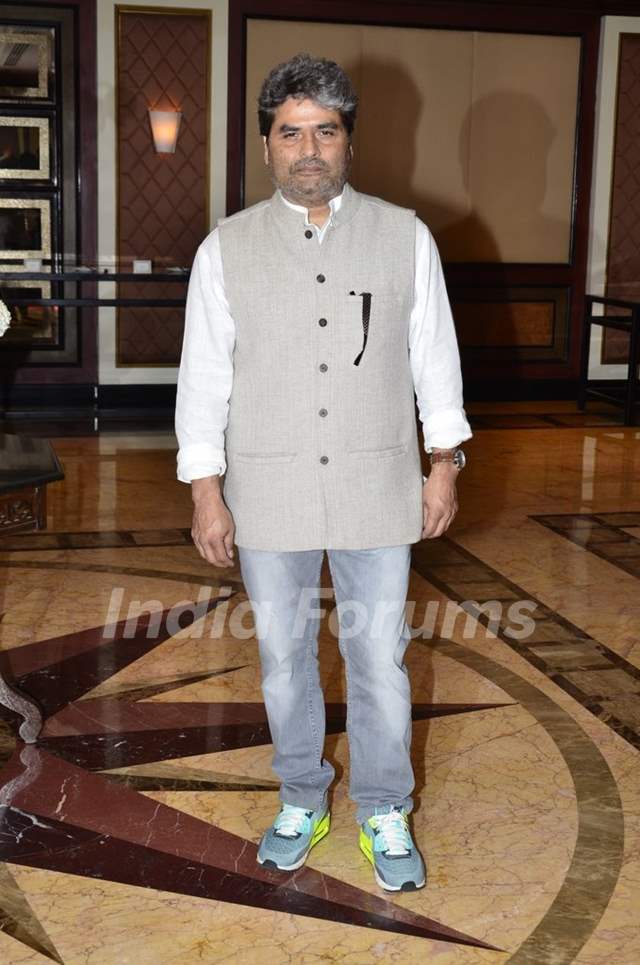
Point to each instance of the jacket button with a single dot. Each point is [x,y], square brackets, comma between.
[320,278]
[324,460]
[323,366]
[322,322]
[322,412]
[308,233]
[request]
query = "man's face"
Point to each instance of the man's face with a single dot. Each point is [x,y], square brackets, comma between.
[307,152]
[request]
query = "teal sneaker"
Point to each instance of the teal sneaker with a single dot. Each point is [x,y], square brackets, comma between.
[286,844]
[386,841]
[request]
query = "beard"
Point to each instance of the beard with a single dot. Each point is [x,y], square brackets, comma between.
[313,191]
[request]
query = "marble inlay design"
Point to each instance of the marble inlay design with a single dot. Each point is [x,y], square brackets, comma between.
[71,803]
[601,680]
[597,857]
[607,535]
[18,920]
[57,813]
[116,539]
[63,818]
[122,570]
[581,665]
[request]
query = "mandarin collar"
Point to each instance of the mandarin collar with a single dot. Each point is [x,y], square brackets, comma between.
[288,214]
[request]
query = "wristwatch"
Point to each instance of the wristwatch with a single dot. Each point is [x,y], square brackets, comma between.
[456,456]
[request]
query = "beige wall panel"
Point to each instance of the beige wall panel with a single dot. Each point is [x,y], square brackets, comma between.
[522,145]
[269,42]
[415,96]
[398,154]
[474,130]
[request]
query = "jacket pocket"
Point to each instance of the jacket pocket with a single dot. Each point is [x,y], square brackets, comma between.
[263,457]
[388,452]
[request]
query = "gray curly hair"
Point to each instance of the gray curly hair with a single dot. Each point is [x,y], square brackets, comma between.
[312,78]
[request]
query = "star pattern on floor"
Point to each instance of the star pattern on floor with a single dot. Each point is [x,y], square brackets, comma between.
[71,802]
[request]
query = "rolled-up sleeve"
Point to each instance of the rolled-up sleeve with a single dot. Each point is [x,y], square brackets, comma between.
[205,377]
[433,351]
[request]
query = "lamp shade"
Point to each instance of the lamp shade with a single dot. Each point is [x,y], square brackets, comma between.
[164,128]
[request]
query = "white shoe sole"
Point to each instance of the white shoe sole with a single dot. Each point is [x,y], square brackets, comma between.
[287,867]
[387,887]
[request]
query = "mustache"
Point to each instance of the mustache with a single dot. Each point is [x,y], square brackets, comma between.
[300,166]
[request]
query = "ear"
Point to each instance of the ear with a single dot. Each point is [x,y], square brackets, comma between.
[266,149]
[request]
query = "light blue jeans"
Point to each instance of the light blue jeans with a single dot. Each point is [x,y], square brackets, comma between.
[373,635]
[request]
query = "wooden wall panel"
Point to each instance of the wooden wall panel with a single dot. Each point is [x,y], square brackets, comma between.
[500,324]
[623,261]
[513,324]
[163,199]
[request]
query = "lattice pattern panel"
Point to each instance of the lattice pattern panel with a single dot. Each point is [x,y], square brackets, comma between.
[623,269]
[163,64]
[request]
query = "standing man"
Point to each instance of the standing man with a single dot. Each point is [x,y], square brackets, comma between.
[311,320]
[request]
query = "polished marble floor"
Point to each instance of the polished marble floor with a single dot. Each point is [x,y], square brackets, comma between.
[128,831]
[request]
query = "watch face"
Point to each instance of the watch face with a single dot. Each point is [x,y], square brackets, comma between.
[459,459]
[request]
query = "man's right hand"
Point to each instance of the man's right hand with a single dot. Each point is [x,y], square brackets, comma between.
[212,529]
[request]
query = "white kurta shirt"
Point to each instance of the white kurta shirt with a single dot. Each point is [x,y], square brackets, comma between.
[206,367]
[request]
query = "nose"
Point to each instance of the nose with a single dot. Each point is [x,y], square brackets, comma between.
[308,145]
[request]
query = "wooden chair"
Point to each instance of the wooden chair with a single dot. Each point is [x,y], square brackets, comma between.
[629,323]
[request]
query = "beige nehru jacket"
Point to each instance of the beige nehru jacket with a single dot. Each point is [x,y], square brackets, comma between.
[322,453]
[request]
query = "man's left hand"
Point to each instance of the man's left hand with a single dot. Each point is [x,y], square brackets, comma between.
[439,500]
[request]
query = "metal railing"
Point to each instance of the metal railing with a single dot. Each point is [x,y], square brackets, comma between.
[73,275]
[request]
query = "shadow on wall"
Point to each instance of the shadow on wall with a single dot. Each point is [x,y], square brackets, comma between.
[506,130]
[503,147]
[501,178]
[506,179]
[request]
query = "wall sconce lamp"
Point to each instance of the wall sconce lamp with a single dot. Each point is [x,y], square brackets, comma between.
[164,128]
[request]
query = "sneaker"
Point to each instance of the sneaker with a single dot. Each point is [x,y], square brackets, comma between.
[286,844]
[386,841]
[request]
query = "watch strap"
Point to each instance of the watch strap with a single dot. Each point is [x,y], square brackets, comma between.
[445,455]
[454,456]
